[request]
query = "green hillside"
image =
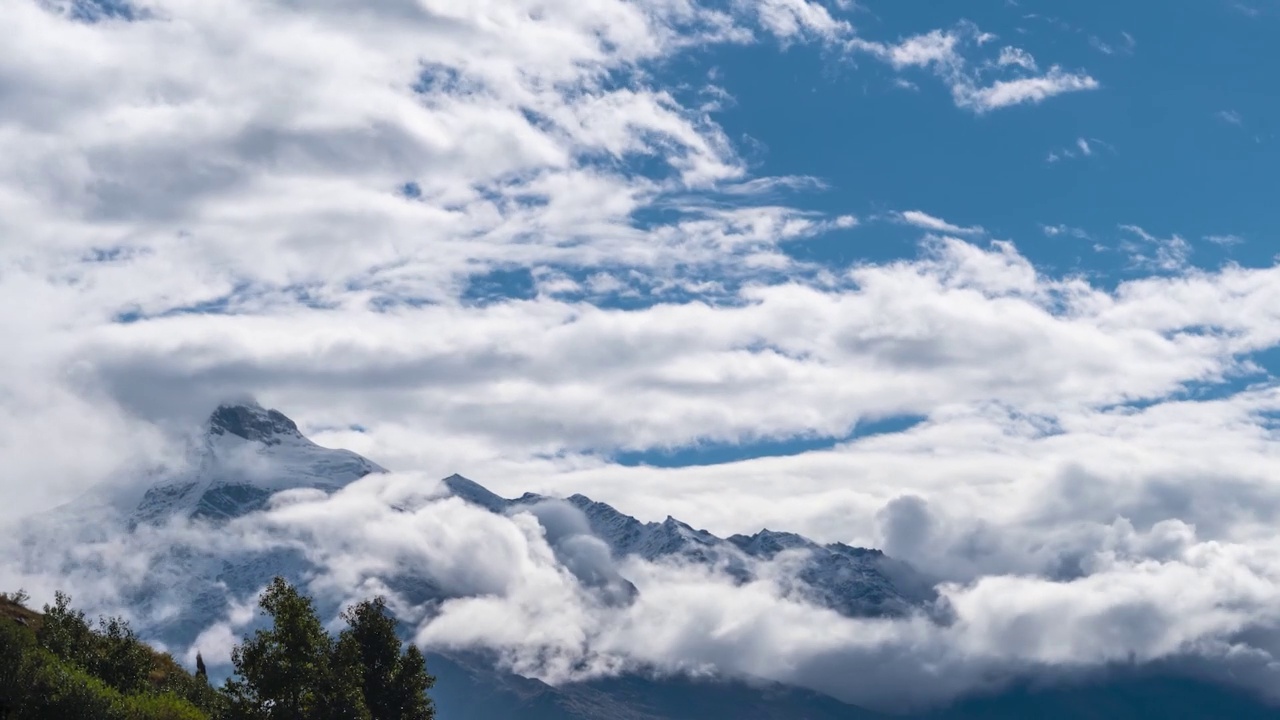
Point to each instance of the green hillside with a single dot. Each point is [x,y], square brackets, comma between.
[57,664]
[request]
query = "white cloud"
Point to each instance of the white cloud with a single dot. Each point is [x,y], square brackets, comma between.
[1151,252]
[928,222]
[942,51]
[257,167]
[1006,93]
[1018,57]
[1067,230]
[229,179]
[1231,117]
[788,19]
[1225,240]
[1082,148]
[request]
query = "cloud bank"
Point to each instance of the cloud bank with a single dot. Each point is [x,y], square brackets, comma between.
[497,239]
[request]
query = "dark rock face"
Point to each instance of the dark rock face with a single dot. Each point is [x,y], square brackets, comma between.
[252,422]
[225,502]
[158,502]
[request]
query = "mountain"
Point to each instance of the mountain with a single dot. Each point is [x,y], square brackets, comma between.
[468,688]
[858,582]
[247,453]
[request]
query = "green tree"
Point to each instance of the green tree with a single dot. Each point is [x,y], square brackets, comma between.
[287,672]
[66,633]
[393,683]
[16,643]
[72,671]
[410,685]
[119,658]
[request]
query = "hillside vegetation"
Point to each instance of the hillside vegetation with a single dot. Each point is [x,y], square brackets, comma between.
[58,664]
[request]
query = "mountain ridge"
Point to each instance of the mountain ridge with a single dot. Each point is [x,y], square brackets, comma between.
[247,453]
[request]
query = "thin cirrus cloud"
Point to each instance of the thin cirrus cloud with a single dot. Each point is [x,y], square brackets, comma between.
[925,221]
[1082,148]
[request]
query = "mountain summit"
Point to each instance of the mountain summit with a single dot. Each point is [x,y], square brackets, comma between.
[246,454]
[250,421]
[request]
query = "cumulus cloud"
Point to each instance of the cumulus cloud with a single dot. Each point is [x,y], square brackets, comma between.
[346,158]
[201,200]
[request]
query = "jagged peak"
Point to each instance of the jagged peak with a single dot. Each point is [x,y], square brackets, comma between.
[768,542]
[475,493]
[249,420]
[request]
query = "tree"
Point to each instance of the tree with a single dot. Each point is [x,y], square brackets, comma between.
[65,632]
[69,670]
[286,672]
[16,644]
[119,658]
[394,685]
[410,685]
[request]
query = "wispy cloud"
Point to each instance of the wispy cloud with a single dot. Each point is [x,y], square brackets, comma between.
[1226,240]
[1005,93]
[1126,45]
[943,52]
[1061,230]
[926,221]
[1082,148]
[1155,253]
[1017,56]
[1230,117]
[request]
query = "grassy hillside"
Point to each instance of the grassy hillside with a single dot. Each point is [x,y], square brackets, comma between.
[57,665]
[14,611]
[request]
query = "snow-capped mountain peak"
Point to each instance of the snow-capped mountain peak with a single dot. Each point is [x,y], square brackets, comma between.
[246,454]
[250,421]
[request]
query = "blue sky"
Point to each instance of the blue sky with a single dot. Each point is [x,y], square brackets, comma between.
[501,225]
[989,286]
[1163,154]
[1171,144]
[642,163]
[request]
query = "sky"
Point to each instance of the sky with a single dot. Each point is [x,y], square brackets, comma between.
[992,287]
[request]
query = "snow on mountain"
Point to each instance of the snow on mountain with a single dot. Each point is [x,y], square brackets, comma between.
[857,582]
[246,454]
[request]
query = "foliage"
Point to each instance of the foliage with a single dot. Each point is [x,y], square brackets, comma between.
[58,665]
[62,667]
[394,684]
[287,672]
